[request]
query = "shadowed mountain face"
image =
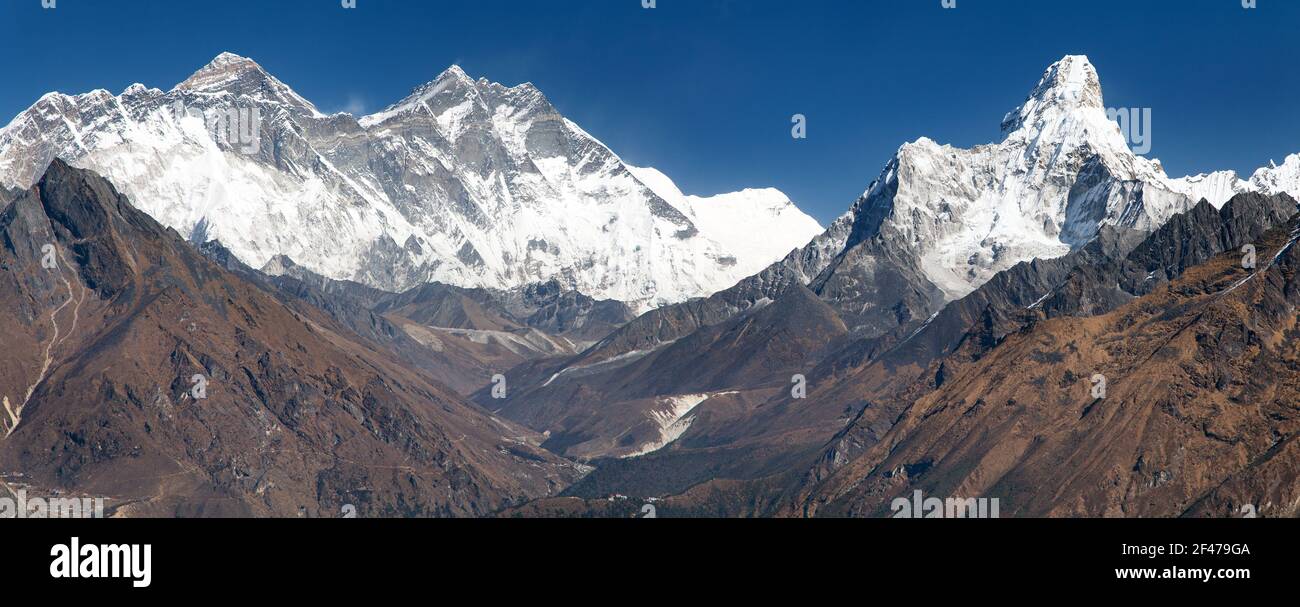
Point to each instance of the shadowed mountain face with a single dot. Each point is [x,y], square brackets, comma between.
[546,308]
[139,370]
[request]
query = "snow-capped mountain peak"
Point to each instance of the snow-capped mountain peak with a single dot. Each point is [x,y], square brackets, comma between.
[223,71]
[1061,170]
[1070,84]
[1277,178]
[1066,111]
[137,89]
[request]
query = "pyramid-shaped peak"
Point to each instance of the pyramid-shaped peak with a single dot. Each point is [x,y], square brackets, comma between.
[230,62]
[222,71]
[244,78]
[1069,84]
[455,71]
[228,58]
[1073,78]
[453,78]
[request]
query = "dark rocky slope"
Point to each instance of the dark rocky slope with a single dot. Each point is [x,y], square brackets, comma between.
[299,415]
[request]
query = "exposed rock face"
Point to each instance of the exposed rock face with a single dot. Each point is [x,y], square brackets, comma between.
[138,370]
[464,182]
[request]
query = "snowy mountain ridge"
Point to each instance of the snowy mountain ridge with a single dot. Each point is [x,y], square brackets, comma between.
[1218,187]
[470,183]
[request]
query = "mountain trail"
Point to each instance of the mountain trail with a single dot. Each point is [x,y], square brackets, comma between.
[16,415]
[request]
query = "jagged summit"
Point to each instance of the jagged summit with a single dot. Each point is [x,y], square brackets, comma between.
[451,77]
[1069,84]
[454,88]
[229,58]
[137,89]
[454,71]
[222,70]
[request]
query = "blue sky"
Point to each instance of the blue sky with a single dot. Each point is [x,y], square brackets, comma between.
[705,89]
